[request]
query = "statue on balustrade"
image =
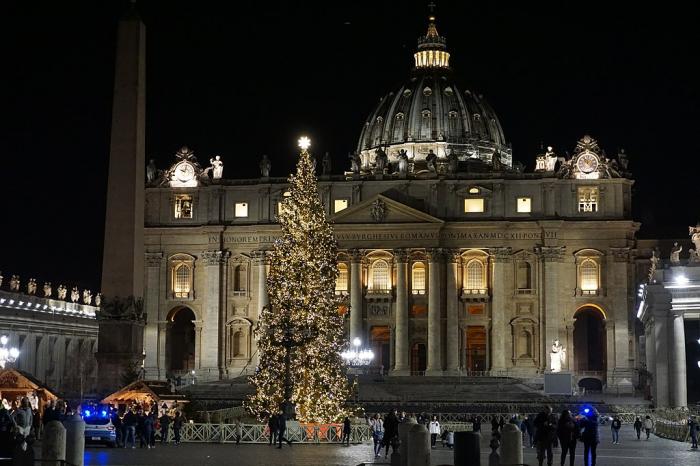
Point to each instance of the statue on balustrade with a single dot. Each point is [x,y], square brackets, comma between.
[217,167]
[557,356]
[31,286]
[403,162]
[14,283]
[98,299]
[87,297]
[47,289]
[431,160]
[355,163]
[326,164]
[151,171]
[452,163]
[265,166]
[676,253]
[75,295]
[380,160]
[62,292]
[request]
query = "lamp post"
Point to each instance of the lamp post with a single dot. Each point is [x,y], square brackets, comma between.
[7,354]
[357,358]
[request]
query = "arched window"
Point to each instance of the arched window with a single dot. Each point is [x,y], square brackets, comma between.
[588,276]
[524,275]
[341,283]
[380,276]
[237,345]
[240,279]
[418,278]
[182,280]
[475,276]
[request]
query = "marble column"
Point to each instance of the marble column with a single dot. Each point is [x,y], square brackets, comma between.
[434,366]
[452,259]
[650,351]
[356,296]
[401,315]
[214,262]
[261,260]
[500,259]
[678,381]
[661,372]
[552,258]
[154,262]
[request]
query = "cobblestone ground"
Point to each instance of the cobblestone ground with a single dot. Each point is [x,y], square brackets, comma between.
[630,452]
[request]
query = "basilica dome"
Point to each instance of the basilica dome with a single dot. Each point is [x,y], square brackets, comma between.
[431,111]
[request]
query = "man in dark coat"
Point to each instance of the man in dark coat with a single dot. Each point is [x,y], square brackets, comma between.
[391,432]
[281,428]
[545,433]
[590,437]
[272,426]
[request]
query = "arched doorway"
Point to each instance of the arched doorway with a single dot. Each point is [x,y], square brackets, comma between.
[180,339]
[590,347]
[418,359]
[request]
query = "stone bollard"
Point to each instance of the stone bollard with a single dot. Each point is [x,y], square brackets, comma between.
[511,445]
[404,427]
[75,440]
[467,449]
[53,444]
[494,457]
[418,448]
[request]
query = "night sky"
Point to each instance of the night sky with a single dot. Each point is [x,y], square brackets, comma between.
[246,81]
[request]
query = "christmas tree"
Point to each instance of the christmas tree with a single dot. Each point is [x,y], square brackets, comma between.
[302,321]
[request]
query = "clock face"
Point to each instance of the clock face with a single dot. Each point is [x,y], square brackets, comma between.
[184,172]
[587,163]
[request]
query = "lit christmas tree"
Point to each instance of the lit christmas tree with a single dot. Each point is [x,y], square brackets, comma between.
[302,321]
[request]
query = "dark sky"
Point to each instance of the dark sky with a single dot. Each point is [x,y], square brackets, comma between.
[249,80]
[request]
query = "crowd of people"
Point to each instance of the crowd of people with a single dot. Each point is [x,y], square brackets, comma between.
[146,425]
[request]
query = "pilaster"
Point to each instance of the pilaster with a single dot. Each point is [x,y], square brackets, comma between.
[501,259]
[401,366]
[552,258]
[452,285]
[212,318]
[356,330]
[434,366]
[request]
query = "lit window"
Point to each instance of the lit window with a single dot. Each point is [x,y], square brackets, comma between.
[588,271]
[183,206]
[182,280]
[340,204]
[473,190]
[341,283]
[418,278]
[524,205]
[380,276]
[588,199]
[473,205]
[475,277]
[280,204]
[241,209]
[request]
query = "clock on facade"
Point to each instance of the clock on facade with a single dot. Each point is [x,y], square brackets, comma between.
[587,162]
[184,172]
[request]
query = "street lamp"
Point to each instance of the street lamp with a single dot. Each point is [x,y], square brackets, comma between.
[7,354]
[357,357]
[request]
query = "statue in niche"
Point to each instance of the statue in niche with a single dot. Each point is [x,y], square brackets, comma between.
[217,167]
[98,299]
[151,171]
[265,166]
[380,160]
[14,283]
[557,356]
[403,162]
[31,286]
[431,160]
[676,253]
[62,292]
[355,163]
[74,295]
[452,162]
[47,289]
[326,164]
[87,297]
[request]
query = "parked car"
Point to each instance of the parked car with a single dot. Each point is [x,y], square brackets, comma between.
[99,427]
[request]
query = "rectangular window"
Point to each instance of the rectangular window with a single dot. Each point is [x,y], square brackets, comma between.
[183,206]
[473,205]
[588,199]
[341,283]
[241,209]
[339,204]
[524,205]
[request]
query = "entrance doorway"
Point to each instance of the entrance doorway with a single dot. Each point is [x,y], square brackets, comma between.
[590,347]
[379,340]
[418,359]
[180,339]
[475,336]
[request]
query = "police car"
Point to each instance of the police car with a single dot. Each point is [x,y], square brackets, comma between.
[99,427]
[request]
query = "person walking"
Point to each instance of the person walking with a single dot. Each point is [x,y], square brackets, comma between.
[164,427]
[23,420]
[281,428]
[545,433]
[434,429]
[146,430]
[130,421]
[177,426]
[590,436]
[693,428]
[346,431]
[638,427]
[391,432]
[377,426]
[530,429]
[272,427]
[615,429]
[568,433]
[648,425]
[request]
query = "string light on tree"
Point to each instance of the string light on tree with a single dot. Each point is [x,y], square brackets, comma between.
[300,334]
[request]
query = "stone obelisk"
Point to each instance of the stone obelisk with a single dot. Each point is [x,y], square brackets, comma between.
[120,344]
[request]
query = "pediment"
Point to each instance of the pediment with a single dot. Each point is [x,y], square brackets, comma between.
[380,209]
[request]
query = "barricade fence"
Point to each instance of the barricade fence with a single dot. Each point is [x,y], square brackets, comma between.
[260,433]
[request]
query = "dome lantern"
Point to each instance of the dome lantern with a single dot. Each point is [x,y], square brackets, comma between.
[432,48]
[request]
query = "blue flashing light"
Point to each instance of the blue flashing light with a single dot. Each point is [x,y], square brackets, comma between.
[87,413]
[104,413]
[587,410]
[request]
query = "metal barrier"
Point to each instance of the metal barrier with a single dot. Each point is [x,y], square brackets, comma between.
[672,430]
[259,433]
